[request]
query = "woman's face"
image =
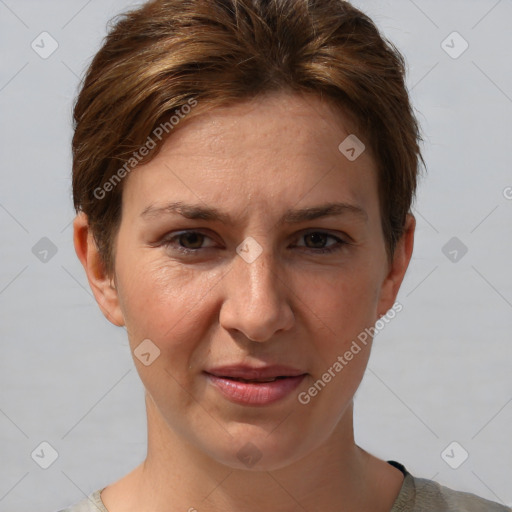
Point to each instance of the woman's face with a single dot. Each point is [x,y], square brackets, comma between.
[261,276]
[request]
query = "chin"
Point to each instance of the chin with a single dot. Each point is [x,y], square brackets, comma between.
[253,448]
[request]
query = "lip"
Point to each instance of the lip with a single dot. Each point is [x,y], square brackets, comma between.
[252,393]
[253,373]
[255,393]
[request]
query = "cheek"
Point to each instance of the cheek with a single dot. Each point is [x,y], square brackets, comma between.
[344,301]
[167,305]
[164,301]
[345,307]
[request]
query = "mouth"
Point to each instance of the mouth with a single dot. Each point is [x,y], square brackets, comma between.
[255,386]
[251,373]
[271,379]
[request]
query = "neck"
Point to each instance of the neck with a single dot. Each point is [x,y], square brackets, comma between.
[337,475]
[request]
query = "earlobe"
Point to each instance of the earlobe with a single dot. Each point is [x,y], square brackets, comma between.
[102,285]
[398,267]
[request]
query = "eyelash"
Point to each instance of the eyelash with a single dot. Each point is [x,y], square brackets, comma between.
[170,242]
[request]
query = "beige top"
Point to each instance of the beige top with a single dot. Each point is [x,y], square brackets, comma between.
[416,495]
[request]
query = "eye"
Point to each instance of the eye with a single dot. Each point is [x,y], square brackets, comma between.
[319,238]
[190,242]
[186,241]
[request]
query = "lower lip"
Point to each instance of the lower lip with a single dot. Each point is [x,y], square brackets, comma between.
[251,393]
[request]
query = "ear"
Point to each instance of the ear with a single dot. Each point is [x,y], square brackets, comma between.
[397,268]
[101,284]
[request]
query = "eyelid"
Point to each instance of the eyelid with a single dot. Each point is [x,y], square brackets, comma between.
[174,235]
[335,234]
[340,241]
[338,245]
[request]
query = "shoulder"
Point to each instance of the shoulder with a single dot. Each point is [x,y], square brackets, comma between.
[92,503]
[422,495]
[428,492]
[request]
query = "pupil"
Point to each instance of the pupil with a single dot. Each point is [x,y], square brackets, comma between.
[196,236]
[319,237]
[195,239]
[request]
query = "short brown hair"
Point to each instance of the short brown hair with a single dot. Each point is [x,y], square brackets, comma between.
[167,53]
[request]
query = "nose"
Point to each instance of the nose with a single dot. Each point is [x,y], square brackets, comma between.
[256,298]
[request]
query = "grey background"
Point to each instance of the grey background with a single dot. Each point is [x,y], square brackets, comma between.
[440,372]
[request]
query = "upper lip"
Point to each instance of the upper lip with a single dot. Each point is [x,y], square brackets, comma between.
[253,373]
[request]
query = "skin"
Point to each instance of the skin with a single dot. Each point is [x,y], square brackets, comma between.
[292,305]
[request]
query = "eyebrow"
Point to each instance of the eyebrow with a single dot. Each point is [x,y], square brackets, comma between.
[296,216]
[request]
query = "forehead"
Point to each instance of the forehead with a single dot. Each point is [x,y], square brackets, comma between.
[280,145]
[305,121]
